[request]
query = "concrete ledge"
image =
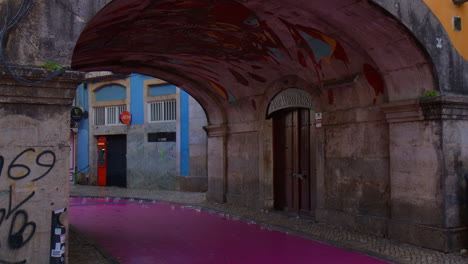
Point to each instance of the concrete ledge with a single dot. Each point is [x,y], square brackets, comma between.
[57,91]
[35,73]
[443,239]
[192,184]
[403,111]
[362,223]
[445,108]
[434,108]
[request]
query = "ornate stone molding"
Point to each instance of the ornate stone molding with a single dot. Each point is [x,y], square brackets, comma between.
[445,108]
[216,130]
[403,111]
[290,98]
[58,91]
[436,108]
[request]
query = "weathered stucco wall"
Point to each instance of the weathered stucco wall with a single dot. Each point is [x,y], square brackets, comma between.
[455,152]
[34,144]
[151,165]
[428,187]
[49,31]
[242,169]
[357,169]
[428,28]
[416,191]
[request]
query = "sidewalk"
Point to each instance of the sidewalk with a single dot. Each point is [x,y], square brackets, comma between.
[367,244]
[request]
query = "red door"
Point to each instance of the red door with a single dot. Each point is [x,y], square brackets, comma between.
[294,177]
[102,161]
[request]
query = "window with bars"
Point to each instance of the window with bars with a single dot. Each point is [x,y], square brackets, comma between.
[108,115]
[163,111]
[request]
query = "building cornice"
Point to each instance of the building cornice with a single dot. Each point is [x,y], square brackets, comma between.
[57,91]
[435,108]
[216,130]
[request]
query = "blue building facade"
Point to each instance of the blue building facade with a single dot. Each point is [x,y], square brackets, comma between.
[163,147]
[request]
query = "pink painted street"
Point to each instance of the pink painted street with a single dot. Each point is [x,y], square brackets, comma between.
[142,232]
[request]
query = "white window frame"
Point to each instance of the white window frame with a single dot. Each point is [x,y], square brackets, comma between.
[162,111]
[111,116]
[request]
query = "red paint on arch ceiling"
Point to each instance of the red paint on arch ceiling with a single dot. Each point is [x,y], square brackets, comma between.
[205,39]
[257,77]
[340,54]
[331,97]
[209,32]
[301,59]
[218,89]
[228,12]
[221,30]
[374,78]
[239,77]
[309,39]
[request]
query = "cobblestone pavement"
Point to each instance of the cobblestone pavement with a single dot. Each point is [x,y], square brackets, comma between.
[371,245]
[84,251]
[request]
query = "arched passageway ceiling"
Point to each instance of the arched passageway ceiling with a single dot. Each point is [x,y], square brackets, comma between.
[236,49]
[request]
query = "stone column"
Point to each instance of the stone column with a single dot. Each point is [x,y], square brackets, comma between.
[428,168]
[34,162]
[217,162]
[266,172]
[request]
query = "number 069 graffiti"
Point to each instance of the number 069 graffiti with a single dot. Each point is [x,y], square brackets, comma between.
[28,163]
[23,171]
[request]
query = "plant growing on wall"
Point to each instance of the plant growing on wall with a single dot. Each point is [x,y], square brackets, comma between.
[50,65]
[430,94]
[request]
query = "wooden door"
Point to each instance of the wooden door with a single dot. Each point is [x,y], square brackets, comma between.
[294,177]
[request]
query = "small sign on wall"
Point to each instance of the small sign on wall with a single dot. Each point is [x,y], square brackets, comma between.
[76,114]
[125,117]
[162,137]
[318,120]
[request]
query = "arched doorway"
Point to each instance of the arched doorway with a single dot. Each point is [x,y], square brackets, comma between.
[293,151]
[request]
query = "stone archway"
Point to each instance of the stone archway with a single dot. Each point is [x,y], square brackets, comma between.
[345,52]
[229,62]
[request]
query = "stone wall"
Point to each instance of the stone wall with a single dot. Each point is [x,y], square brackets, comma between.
[428,184]
[35,126]
[428,28]
[34,161]
[242,169]
[49,31]
[151,165]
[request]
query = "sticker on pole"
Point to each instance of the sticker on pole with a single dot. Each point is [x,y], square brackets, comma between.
[56,253]
[125,117]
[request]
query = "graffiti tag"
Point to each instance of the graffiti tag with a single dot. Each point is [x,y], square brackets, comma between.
[21,229]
